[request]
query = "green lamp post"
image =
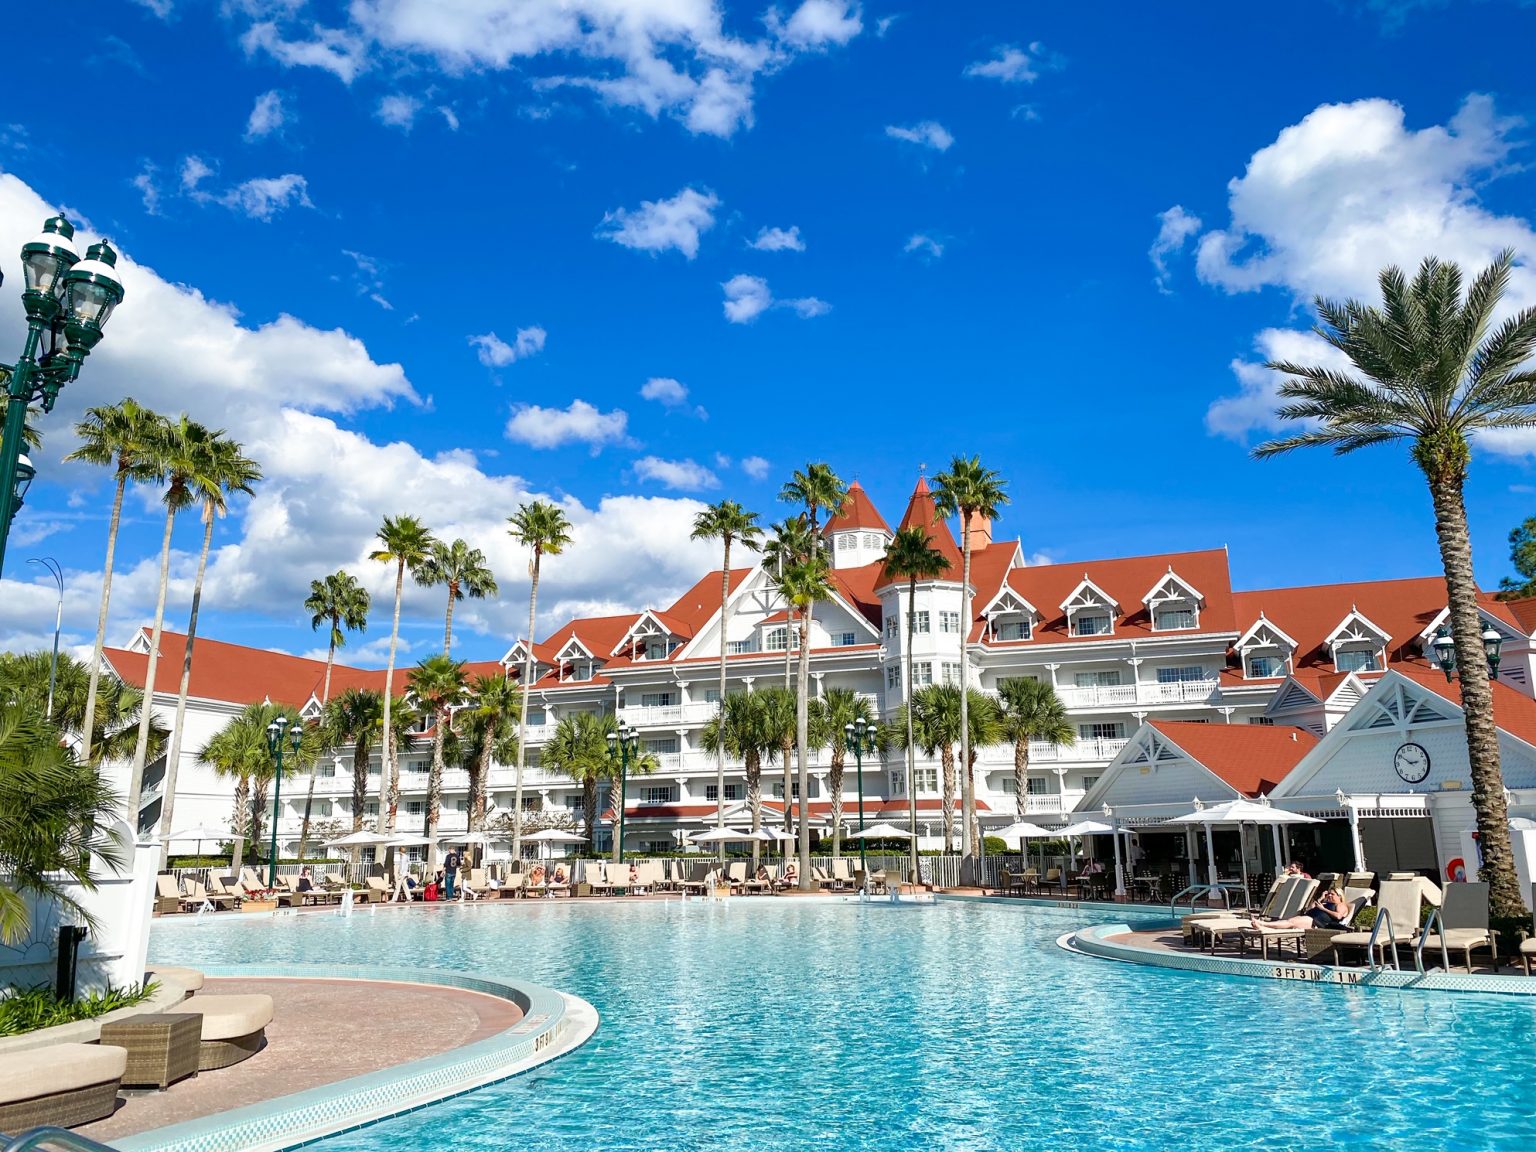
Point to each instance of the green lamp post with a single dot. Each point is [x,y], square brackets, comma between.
[860,736]
[68,302]
[623,743]
[275,746]
[1445,650]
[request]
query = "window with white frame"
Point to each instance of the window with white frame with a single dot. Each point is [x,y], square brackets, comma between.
[927,779]
[794,790]
[657,699]
[1091,624]
[532,758]
[574,802]
[711,695]
[1102,730]
[1100,678]
[536,718]
[920,621]
[461,805]
[1263,667]
[712,792]
[844,639]
[1266,721]
[893,675]
[1357,660]
[1172,618]
[892,626]
[1012,630]
[898,783]
[658,794]
[1089,782]
[871,540]
[951,672]
[322,808]
[777,639]
[922,674]
[373,808]
[326,770]
[660,745]
[414,808]
[1182,674]
[847,541]
[738,647]
[949,622]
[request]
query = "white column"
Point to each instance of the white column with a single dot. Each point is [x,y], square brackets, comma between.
[1119,865]
[1210,856]
[1354,834]
[1135,663]
[1227,710]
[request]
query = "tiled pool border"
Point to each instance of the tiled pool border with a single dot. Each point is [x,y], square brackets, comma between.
[1093,941]
[553,1024]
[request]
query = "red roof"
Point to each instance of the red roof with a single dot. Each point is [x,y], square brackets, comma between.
[1402,608]
[858,511]
[1513,711]
[1252,758]
[923,513]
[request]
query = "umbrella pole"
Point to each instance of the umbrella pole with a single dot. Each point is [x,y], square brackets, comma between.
[1210,856]
[1242,854]
[1279,851]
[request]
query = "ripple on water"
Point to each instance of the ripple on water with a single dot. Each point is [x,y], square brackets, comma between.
[779,1025]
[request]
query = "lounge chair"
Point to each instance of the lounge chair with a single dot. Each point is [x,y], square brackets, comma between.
[597,879]
[1265,933]
[1464,918]
[1279,893]
[685,878]
[554,887]
[376,891]
[199,896]
[842,872]
[167,894]
[736,874]
[1399,900]
[753,884]
[61,1085]
[1290,897]
[475,884]
[1052,880]
[511,886]
[234,1027]
[1528,945]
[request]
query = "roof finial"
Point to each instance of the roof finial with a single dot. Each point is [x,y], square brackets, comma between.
[921,468]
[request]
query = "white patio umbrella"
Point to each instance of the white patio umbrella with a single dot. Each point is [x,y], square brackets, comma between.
[1024,831]
[720,836]
[1239,812]
[881,832]
[360,839]
[199,832]
[556,836]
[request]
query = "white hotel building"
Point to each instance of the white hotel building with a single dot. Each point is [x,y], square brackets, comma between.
[1125,642]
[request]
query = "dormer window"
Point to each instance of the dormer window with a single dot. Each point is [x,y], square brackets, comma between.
[1357,660]
[1173,604]
[1090,610]
[1009,617]
[1265,651]
[650,637]
[1358,645]
[776,640]
[1263,667]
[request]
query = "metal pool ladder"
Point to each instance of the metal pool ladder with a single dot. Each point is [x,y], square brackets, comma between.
[48,1136]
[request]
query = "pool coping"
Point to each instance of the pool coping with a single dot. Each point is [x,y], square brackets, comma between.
[553,1024]
[1093,941]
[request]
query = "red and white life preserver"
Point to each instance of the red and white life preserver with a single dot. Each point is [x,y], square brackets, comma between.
[1456,871]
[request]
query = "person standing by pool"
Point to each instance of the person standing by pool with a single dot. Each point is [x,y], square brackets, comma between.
[450,872]
[402,890]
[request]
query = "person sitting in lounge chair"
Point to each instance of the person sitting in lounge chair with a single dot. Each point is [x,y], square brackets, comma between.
[305,882]
[557,878]
[763,874]
[1328,911]
[1294,868]
[791,875]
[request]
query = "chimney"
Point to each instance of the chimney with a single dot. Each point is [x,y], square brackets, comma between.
[981,532]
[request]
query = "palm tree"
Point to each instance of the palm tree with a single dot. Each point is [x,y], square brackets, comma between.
[438,685]
[911,556]
[1031,711]
[780,716]
[355,717]
[239,751]
[970,490]
[488,730]
[121,436]
[1431,369]
[342,603]
[727,522]
[407,544]
[465,573]
[932,715]
[744,729]
[54,811]
[983,728]
[24,680]
[830,717]
[224,471]
[792,540]
[181,450]
[579,748]
[542,528]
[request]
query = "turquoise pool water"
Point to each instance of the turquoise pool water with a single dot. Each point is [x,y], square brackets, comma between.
[778,1025]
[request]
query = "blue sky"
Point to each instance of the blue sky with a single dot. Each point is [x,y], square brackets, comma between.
[631,254]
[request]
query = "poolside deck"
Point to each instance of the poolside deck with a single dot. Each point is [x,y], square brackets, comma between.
[322,1031]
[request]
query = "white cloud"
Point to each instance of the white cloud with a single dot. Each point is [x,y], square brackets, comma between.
[779,240]
[924,245]
[495,352]
[677,474]
[755,466]
[161,8]
[1342,194]
[369,278]
[193,173]
[660,57]
[268,116]
[748,297]
[818,24]
[1014,65]
[658,225]
[580,423]
[326,486]
[883,25]
[450,117]
[398,111]
[264,197]
[666,391]
[1175,227]
[927,133]
[145,183]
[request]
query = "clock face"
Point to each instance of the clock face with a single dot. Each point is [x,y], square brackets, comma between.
[1411,763]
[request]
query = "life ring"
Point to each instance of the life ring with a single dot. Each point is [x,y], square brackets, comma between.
[1456,871]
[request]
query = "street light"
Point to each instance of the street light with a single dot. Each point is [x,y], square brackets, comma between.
[25,473]
[860,736]
[57,573]
[1445,650]
[275,746]
[68,302]
[624,741]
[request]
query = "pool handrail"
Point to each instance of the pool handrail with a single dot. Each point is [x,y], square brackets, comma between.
[50,1136]
[1418,951]
[1383,916]
[1207,889]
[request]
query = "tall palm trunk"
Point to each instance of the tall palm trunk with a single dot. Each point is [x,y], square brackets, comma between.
[968,846]
[787,756]
[725,593]
[389,771]
[1021,775]
[258,810]
[753,764]
[435,787]
[241,814]
[453,591]
[589,804]
[802,738]
[88,729]
[906,697]
[359,782]
[1492,813]
[325,698]
[973,824]
[477,775]
[173,757]
[522,710]
[947,800]
[141,749]
[835,782]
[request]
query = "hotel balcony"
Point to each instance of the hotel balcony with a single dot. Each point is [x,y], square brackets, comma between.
[1129,695]
[659,715]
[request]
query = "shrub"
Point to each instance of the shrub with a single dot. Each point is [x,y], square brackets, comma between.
[37,1008]
[994,845]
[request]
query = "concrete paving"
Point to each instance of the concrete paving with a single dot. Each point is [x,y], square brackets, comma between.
[322,1031]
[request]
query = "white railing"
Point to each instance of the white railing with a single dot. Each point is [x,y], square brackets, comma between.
[1124,695]
[1099,748]
[1039,805]
[653,715]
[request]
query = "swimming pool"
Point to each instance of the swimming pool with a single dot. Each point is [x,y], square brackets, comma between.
[795,1024]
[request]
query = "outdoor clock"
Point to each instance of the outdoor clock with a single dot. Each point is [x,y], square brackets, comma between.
[1411,762]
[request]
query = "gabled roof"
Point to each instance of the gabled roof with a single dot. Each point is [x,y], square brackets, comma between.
[1263,624]
[1172,577]
[922,513]
[1005,597]
[1086,584]
[858,511]
[1363,624]
[1523,612]
[664,624]
[1400,608]
[1251,758]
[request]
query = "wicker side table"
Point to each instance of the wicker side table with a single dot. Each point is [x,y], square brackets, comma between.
[162,1046]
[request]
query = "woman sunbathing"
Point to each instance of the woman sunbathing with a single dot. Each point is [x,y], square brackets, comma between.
[1328,911]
